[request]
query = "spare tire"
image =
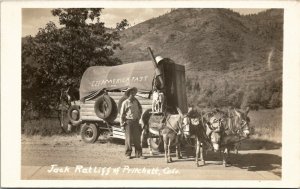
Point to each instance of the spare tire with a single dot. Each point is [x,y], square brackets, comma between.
[157,143]
[114,112]
[103,106]
[74,115]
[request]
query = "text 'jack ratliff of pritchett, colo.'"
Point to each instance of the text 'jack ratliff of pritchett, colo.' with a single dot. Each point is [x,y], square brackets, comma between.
[79,169]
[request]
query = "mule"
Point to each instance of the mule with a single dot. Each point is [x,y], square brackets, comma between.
[233,128]
[193,127]
[215,123]
[237,129]
[174,127]
[238,124]
[168,130]
[171,133]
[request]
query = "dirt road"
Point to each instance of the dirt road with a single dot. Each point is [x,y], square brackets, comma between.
[70,158]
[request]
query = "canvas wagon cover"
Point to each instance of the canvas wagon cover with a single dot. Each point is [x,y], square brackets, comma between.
[96,78]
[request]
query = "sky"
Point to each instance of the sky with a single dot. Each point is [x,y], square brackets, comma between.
[35,18]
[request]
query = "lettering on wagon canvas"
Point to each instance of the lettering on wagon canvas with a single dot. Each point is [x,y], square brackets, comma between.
[114,82]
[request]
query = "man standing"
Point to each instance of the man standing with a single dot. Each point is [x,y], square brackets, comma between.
[131,111]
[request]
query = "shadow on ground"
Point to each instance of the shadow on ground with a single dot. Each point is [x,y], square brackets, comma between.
[249,144]
[110,140]
[259,144]
[258,162]
[250,161]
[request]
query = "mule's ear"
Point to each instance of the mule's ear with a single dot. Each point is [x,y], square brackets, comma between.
[179,111]
[237,113]
[247,110]
[229,112]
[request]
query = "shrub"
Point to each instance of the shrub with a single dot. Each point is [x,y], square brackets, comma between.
[276,101]
[47,127]
[43,127]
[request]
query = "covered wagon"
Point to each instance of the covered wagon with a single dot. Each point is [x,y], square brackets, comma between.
[102,91]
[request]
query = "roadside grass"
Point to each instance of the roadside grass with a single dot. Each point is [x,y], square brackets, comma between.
[267,124]
[42,127]
[47,127]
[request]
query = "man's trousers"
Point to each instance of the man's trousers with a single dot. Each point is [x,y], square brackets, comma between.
[133,133]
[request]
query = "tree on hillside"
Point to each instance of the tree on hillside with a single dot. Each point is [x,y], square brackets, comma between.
[61,55]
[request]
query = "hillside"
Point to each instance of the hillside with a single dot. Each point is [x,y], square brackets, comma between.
[219,48]
[230,59]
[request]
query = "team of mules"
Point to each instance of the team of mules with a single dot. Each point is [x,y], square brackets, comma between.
[213,130]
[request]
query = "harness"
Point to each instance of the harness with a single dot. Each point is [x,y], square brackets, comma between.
[170,125]
[241,128]
[188,139]
[210,129]
[202,133]
[238,129]
[236,132]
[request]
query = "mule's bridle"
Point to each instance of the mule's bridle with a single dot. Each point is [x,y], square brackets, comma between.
[242,126]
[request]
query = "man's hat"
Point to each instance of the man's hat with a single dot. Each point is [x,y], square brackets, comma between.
[158,58]
[130,89]
[192,112]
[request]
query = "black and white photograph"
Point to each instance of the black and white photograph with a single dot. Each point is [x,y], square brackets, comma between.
[152,93]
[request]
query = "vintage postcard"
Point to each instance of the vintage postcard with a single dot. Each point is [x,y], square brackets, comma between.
[187,93]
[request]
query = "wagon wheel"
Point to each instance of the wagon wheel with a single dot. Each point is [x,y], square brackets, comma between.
[156,144]
[154,124]
[74,115]
[89,133]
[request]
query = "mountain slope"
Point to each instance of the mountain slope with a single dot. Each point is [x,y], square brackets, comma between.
[216,46]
